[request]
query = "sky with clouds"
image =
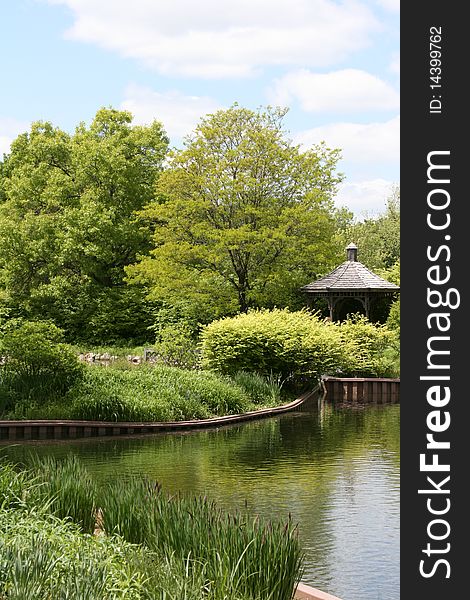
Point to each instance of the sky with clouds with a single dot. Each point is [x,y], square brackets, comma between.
[335,64]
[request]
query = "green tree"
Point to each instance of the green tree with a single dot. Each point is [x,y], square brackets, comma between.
[2,191]
[36,364]
[393,320]
[242,218]
[67,226]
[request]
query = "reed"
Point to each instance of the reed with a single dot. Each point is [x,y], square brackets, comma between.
[67,488]
[196,545]
[260,389]
[252,558]
[43,557]
[157,393]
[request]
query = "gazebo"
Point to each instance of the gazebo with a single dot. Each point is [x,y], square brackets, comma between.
[350,280]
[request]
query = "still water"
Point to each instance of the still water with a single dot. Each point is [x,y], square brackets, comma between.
[336,470]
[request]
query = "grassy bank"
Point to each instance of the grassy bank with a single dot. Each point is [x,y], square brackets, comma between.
[144,393]
[148,545]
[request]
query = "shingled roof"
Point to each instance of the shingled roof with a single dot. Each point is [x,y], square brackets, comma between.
[351,275]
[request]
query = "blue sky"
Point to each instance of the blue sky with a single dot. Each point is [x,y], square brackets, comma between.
[335,64]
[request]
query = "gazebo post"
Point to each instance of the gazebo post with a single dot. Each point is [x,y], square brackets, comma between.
[367,304]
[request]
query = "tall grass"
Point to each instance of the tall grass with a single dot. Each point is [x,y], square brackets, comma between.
[239,552]
[199,549]
[67,488]
[157,393]
[46,558]
[154,393]
[260,389]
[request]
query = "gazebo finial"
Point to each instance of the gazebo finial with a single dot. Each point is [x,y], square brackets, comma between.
[352,252]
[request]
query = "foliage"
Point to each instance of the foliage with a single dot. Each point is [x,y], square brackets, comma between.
[242,218]
[176,346]
[158,393]
[261,390]
[367,348]
[66,488]
[183,547]
[44,557]
[242,554]
[155,394]
[393,320]
[296,344]
[67,226]
[284,343]
[36,363]
[392,273]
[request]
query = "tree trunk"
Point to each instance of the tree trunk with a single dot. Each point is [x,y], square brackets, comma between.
[242,300]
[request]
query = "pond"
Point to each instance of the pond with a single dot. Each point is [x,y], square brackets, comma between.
[336,470]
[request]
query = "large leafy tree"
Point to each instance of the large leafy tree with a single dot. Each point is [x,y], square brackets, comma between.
[66,222]
[242,217]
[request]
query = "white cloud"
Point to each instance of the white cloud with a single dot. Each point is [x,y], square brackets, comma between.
[178,113]
[222,38]
[4,145]
[395,63]
[359,142]
[365,198]
[342,91]
[9,130]
[391,5]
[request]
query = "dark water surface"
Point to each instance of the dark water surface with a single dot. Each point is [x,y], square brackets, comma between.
[335,469]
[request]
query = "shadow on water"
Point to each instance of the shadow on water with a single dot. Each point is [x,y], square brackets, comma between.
[336,470]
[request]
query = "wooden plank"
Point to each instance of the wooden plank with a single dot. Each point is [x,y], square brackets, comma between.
[354,390]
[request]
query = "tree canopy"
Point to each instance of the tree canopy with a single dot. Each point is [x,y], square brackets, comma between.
[242,217]
[66,222]
[105,234]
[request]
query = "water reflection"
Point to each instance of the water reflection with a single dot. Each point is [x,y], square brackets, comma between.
[335,470]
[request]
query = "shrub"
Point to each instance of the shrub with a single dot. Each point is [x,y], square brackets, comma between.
[393,321]
[295,345]
[272,342]
[366,348]
[36,363]
[176,346]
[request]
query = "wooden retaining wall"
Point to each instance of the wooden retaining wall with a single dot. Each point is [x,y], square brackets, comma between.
[306,592]
[360,390]
[64,430]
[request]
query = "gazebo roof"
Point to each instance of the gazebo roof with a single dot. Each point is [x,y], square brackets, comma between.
[350,275]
